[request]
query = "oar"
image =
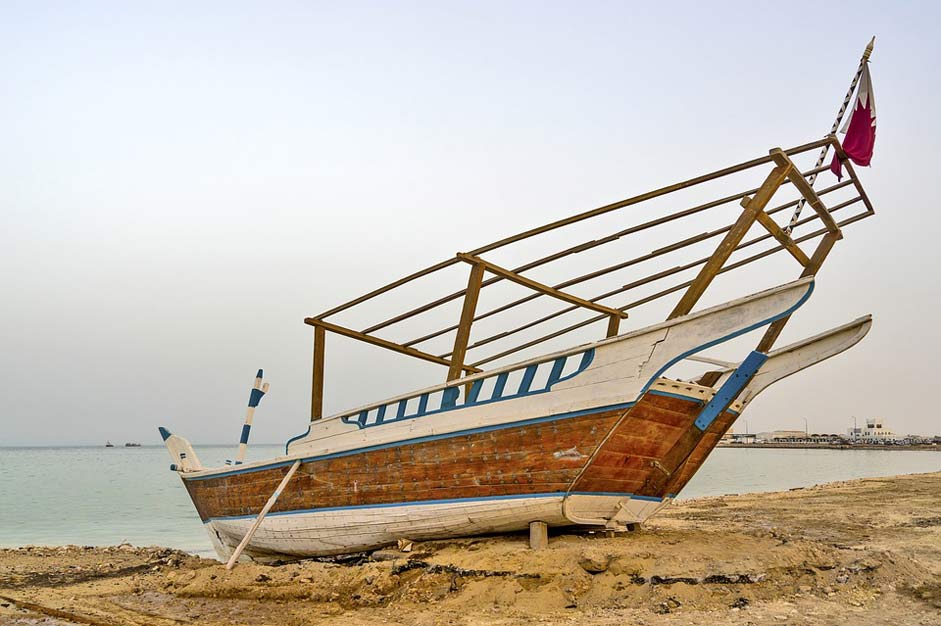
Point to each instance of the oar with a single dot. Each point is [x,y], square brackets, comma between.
[251,531]
[258,391]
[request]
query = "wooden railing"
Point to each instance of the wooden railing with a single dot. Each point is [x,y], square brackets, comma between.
[754,203]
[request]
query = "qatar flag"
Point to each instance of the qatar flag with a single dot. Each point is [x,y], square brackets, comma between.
[860,128]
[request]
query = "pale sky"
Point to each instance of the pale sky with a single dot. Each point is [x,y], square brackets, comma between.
[183,184]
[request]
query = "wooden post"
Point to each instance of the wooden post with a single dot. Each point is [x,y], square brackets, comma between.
[734,237]
[316,386]
[261,516]
[538,535]
[467,318]
[783,238]
[614,323]
[816,261]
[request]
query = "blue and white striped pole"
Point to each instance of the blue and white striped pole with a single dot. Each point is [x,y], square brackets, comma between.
[258,391]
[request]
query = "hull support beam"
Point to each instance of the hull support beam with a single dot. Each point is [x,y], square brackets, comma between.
[261,516]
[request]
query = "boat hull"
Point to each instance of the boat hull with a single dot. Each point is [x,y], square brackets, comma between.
[605,446]
[588,468]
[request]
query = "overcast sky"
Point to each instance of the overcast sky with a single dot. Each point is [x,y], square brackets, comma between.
[183,184]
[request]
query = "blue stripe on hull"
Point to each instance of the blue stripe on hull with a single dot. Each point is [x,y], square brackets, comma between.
[407,442]
[388,505]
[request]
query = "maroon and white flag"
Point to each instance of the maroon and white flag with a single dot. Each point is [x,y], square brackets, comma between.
[860,128]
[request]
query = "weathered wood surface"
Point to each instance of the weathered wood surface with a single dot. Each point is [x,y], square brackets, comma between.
[544,457]
[316,386]
[467,319]
[382,343]
[642,453]
[510,461]
[710,439]
[732,239]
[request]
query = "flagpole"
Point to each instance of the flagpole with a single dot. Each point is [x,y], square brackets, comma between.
[836,125]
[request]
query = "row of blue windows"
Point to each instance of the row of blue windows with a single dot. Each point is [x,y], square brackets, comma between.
[532,379]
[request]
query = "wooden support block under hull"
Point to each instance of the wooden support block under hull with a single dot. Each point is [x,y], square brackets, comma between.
[538,535]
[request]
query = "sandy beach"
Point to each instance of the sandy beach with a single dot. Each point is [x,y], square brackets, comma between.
[865,551]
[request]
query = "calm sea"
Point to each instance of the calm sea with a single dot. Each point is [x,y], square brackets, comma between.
[100,496]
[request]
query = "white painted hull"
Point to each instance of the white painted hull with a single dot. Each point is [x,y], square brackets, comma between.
[331,532]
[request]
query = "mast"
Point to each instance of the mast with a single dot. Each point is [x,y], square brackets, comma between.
[836,125]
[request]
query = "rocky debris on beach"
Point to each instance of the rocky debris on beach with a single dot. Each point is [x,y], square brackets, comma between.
[803,557]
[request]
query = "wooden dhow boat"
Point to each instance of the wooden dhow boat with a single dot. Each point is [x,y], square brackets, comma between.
[602,434]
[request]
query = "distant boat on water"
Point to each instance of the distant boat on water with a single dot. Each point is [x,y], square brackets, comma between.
[132,445]
[108,444]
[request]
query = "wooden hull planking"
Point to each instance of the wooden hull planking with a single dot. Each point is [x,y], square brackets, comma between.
[474,483]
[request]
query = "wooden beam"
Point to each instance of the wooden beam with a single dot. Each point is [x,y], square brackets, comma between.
[383,343]
[612,268]
[675,288]
[820,255]
[261,516]
[582,247]
[578,218]
[614,323]
[316,385]
[798,180]
[537,286]
[467,318]
[753,206]
[674,270]
[783,238]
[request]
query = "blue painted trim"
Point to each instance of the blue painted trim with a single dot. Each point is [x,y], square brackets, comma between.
[260,374]
[587,357]
[164,432]
[399,412]
[407,442]
[449,397]
[246,428]
[715,342]
[390,505]
[499,386]
[528,377]
[474,391]
[730,389]
[381,414]
[255,398]
[556,372]
[446,404]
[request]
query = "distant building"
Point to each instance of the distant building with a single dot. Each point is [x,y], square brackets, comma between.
[786,436]
[798,436]
[875,430]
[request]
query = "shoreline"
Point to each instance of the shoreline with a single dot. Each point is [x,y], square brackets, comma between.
[830,446]
[865,550]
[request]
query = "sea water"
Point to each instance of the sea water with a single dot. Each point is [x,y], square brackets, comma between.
[104,496]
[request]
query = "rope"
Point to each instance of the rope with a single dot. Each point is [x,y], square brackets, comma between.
[836,126]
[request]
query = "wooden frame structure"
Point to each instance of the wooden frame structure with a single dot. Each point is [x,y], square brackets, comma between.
[755,209]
